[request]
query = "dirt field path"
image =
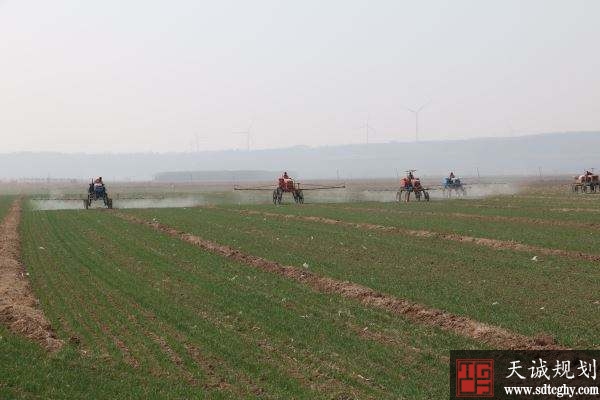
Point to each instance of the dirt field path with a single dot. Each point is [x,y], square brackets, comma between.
[455,237]
[493,336]
[19,309]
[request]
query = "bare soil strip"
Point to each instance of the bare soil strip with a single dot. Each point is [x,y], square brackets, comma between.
[455,237]
[493,336]
[19,309]
[583,210]
[478,217]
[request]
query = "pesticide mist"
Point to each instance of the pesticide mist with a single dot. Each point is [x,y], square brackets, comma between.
[176,202]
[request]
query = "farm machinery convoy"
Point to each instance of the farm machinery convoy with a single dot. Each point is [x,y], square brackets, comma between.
[411,184]
[408,186]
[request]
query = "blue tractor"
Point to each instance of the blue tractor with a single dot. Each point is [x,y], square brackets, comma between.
[97,191]
[451,184]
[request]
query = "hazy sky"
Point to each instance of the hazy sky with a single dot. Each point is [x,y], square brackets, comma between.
[149,75]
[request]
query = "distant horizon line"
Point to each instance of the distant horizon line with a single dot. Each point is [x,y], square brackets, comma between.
[303,146]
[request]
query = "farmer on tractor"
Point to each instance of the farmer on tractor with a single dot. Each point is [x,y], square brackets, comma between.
[449,180]
[97,189]
[286,183]
[98,181]
[407,182]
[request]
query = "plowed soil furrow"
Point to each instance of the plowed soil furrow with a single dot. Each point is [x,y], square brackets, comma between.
[19,309]
[491,335]
[478,217]
[581,210]
[455,237]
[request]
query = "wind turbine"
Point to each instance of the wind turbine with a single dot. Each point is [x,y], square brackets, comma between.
[247,133]
[416,113]
[368,128]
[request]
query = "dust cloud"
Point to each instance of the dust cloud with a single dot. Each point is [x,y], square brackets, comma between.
[56,204]
[492,189]
[175,202]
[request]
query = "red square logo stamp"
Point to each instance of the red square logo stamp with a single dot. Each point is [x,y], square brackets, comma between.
[474,378]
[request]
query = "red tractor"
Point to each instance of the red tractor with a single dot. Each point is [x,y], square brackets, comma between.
[287,185]
[586,183]
[411,184]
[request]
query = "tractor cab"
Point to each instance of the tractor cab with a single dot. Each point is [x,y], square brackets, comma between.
[452,182]
[408,182]
[99,191]
[286,184]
